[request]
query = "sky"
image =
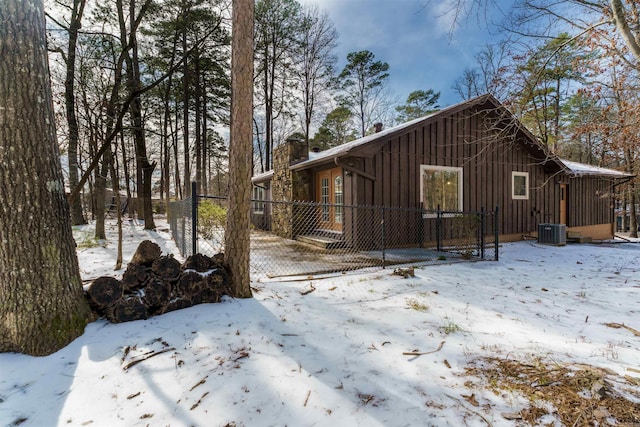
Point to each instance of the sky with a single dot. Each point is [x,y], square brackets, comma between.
[359,349]
[414,38]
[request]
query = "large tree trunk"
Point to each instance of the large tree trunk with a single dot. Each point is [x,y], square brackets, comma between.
[42,307]
[237,230]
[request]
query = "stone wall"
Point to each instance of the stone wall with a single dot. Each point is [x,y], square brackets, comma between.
[287,186]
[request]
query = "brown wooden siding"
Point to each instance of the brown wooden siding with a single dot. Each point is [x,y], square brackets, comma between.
[589,192]
[488,160]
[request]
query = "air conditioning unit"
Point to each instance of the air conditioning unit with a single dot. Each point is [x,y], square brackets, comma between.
[552,234]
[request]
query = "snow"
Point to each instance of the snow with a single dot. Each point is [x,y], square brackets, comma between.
[579,169]
[334,356]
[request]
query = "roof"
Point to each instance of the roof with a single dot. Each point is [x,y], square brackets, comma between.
[571,168]
[581,169]
[262,177]
[344,149]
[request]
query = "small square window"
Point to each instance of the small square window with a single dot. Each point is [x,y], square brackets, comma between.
[520,185]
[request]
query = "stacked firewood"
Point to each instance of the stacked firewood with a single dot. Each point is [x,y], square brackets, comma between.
[155,284]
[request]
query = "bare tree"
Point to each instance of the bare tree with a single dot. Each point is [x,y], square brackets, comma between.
[73,28]
[144,168]
[487,75]
[42,305]
[277,26]
[318,39]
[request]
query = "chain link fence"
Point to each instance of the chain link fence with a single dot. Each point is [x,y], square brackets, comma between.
[304,238]
[180,217]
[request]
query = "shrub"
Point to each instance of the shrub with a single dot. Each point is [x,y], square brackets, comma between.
[211,218]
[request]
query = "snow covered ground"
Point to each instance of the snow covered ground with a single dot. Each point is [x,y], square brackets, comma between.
[360,349]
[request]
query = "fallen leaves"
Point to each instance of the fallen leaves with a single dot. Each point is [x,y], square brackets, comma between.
[471,399]
[577,395]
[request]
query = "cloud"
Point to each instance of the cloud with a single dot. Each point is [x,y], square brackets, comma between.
[414,36]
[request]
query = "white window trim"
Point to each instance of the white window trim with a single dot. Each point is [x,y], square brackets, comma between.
[442,168]
[515,196]
[258,202]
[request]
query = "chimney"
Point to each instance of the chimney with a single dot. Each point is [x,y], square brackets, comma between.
[377,126]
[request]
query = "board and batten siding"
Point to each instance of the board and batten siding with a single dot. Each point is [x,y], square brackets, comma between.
[488,158]
[594,193]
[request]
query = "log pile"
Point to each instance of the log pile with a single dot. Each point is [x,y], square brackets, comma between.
[155,284]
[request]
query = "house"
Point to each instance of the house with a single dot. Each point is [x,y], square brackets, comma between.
[471,156]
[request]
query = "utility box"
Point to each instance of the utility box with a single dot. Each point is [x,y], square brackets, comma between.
[552,234]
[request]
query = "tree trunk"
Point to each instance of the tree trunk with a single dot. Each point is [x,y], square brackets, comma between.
[125,170]
[205,142]
[42,307]
[116,194]
[176,165]
[237,230]
[185,116]
[268,114]
[166,164]
[77,216]
[143,166]
[101,195]
[197,104]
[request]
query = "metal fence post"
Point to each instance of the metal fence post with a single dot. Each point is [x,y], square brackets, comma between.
[495,230]
[194,218]
[421,226]
[181,242]
[438,229]
[483,215]
[384,255]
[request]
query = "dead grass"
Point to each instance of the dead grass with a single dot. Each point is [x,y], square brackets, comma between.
[579,396]
[416,305]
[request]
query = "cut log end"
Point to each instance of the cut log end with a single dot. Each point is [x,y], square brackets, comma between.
[166,267]
[127,309]
[146,253]
[105,291]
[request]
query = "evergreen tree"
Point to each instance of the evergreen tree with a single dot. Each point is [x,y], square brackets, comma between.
[362,81]
[419,103]
[336,129]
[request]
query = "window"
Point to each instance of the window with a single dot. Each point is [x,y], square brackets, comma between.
[441,186]
[324,198]
[520,185]
[258,200]
[338,198]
